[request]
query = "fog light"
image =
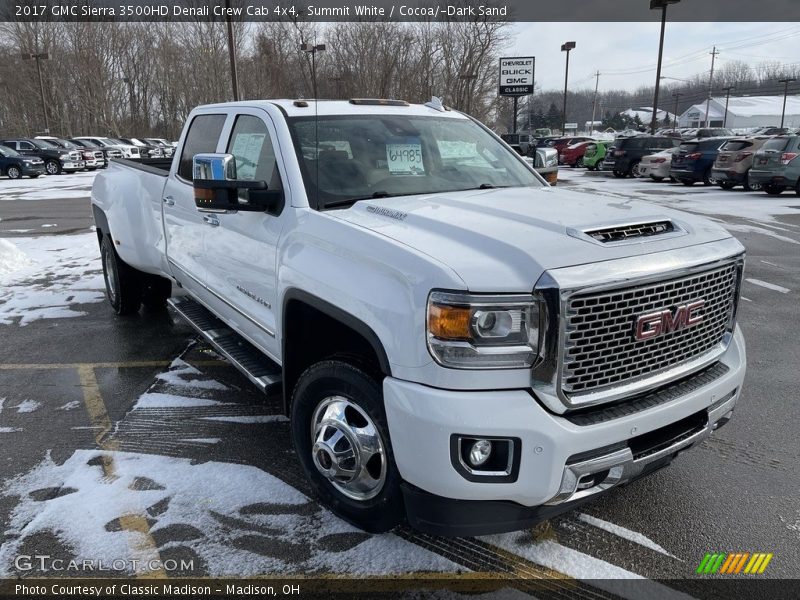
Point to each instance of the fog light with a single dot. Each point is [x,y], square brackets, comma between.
[480,452]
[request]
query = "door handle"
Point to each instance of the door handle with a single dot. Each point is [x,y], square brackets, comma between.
[168,200]
[213,221]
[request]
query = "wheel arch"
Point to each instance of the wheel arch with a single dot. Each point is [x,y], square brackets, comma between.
[100,223]
[334,331]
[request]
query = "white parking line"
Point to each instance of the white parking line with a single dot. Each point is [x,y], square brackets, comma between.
[769,286]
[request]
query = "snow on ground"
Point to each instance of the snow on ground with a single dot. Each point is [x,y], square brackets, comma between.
[221,508]
[756,207]
[73,185]
[47,277]
[633,536]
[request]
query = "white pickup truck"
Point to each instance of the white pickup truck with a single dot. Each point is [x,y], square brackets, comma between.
[456,343]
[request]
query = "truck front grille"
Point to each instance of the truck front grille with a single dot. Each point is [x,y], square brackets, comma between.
[601,349]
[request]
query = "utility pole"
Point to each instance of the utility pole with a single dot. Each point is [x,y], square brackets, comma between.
[38,58]
[677,96]
[132,102]
[714,54]
[232,52]
[594,102]
[727,91]
[785,83]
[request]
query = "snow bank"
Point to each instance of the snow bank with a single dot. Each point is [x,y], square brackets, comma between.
[11,258]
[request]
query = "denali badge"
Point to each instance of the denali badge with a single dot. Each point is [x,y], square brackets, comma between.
[658,323]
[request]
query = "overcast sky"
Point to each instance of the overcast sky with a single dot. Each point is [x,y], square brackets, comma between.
[626,53]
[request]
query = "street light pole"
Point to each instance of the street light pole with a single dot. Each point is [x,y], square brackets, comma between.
[565,47]
[785,83]
[727,91]
[662,4]
[39,57]
[467,78]
[312,49]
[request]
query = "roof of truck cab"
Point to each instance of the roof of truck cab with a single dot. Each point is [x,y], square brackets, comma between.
[306,108]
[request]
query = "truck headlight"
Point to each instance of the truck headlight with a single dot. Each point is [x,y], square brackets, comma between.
[63,156]
[473,331]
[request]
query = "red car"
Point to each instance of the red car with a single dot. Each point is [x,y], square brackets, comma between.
[573,155]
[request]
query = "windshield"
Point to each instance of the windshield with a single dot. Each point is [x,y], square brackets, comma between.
[8,152]
[44,144]
[376,156]
[776,144]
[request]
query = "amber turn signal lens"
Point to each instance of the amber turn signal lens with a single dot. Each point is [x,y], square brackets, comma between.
[449,322]
[203,194]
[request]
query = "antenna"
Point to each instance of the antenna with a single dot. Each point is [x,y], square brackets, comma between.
[312,49]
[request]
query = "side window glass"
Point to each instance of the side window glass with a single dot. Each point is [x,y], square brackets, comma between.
[202,137]
[26,146]
[252,148]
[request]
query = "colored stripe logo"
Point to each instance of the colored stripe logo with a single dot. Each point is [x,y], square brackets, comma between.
[733,563]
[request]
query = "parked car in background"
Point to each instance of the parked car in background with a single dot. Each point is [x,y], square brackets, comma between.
[573,155]
[93,158]
[56,160]
[543,160]
[128,150]
[625,154]
[595,153]
[734,162]
[14,165]
[776,165]
[694,161]
[108,152]
[707,132]
[165,146]
[560,143]
[145,150]
[656,166]
[546,141]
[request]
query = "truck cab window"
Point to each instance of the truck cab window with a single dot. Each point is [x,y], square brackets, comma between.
[251,145]
[202,137]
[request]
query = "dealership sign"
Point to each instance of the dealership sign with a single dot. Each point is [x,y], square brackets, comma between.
[516,76]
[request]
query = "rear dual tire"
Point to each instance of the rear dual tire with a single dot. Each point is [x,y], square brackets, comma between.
[127,289]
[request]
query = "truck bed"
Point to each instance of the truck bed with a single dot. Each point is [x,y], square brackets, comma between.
[156,166]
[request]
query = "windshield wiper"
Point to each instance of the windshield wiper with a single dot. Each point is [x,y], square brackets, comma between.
[351,201]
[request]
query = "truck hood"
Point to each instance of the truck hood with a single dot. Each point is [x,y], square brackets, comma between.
[501,240]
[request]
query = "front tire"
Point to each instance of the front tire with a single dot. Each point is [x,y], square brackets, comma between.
[14,172]
[656,179]
[620,174]
[726,185]
[341,437]
[634,171]
[53,167]
[123,283]
[579,163]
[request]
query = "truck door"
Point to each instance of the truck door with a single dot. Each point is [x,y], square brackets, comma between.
[241,246]
[184,226]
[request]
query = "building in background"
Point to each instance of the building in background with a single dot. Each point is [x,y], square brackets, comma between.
[744,112]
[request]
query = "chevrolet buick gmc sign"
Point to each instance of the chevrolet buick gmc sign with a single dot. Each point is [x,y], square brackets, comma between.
[516,76]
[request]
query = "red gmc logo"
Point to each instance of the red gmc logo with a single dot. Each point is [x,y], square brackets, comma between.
[652,325]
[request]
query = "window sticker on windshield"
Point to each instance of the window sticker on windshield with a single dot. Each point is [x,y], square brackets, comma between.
[449,149]
[404,156]
[247,150]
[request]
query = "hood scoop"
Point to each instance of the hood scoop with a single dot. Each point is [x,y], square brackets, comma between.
[630,232]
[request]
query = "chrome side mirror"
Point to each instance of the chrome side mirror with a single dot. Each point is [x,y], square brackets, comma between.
[214,167]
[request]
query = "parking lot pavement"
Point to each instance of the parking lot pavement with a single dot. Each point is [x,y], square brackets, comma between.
[132,440]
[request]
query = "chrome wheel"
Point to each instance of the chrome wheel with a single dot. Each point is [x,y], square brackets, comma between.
[52,167]
[108,273]
[14,173]
[636,171]
[348,450]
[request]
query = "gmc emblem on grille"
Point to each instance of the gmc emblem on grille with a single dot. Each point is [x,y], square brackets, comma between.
[654,324]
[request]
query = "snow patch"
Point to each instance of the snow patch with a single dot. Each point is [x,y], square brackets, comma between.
[202,440]
[11,258]
[159,400]
[228,523]
[10,429]
[633,536]
[180,369]
[69,405]
[48,276]
[27,406]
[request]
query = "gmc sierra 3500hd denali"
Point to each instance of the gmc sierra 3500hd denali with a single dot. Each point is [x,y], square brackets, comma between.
[456,342]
